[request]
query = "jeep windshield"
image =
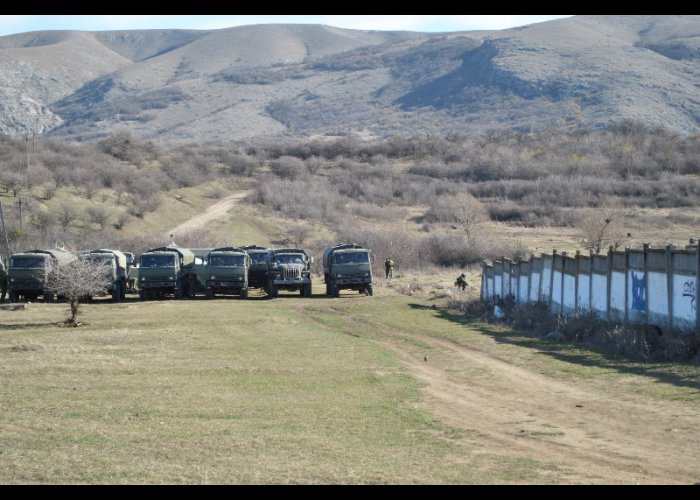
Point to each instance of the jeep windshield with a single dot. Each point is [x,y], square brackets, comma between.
[27,262]
[227,260]
[352,258]
[157,261]
[289,259]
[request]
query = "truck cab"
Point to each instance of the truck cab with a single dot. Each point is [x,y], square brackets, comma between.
[165,271]
[28,273]
[347,266]
[115,267]
[225,271]
[260,266]
[290,271]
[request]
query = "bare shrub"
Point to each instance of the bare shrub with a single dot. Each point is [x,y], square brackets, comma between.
[76,281]
[289,167]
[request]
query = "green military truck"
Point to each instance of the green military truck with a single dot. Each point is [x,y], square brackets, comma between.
[260,267]
[223,271]
[116,267]
[165,271]
[347,266]
[29,273]
[291,271]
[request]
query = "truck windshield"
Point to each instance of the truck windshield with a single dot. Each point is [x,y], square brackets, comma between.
[258,258]
[157,261]
[104,259]
[226,260]
[352,258]
[289,259]
[27,262]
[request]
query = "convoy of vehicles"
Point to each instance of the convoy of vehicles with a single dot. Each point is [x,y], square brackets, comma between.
[178,272]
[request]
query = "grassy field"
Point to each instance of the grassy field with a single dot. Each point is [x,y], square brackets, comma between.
[286,391]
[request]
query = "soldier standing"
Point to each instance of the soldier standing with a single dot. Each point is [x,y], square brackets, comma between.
[389,267]
[461,282]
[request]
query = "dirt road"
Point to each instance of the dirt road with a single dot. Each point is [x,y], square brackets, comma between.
[213,212]
[585,431]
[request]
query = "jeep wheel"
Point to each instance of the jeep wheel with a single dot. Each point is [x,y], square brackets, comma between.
[273,291]
[13,297]
[143,295]
[209,293]
[115,293]
[370,290]
[122,290]
[244,293]
[48,297]
[306,290]
[335,291]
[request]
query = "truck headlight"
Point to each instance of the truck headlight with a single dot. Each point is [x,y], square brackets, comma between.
[143,278]
[170,278]
[338,275]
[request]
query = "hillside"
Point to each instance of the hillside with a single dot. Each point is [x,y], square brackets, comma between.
[308,80]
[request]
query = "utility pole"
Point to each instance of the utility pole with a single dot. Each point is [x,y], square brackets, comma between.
[20,212]
[26,140]
[7,242]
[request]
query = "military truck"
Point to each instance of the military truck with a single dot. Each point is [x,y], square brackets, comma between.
[260,266]
[347,266]
[115,267]
[29,273]
[165,271]
[291,271]
[224,271]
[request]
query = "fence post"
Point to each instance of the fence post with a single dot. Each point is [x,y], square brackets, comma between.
[561,302]
[609,284]
[669,285]
[627,279]
[645,246]
[590,282]
[697,287]
[551,281]
[577,267]
[539,284]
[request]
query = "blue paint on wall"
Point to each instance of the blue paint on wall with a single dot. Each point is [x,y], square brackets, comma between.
[639,295]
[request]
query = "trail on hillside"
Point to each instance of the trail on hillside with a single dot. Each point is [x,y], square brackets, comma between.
[213,212]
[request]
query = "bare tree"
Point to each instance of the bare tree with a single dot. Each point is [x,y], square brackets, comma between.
[601,230]
[77,281]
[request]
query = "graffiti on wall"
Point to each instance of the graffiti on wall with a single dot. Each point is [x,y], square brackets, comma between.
[639,296]
[689,291]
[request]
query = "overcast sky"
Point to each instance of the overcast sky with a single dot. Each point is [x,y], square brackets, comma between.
[10,24]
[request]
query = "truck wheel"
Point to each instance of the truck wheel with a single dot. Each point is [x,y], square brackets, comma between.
[273,291]
[306,290]
[244,293]
[122,290]
[48,297]
[328,289]
[178,291]
[335,291]
[370,290]
[142,294]
[116,293]
[209,293]
[13,297]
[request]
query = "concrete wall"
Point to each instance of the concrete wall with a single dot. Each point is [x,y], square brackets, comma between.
[655,286]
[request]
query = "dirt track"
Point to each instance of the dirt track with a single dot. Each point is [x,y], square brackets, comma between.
[213,212]
[587,433]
